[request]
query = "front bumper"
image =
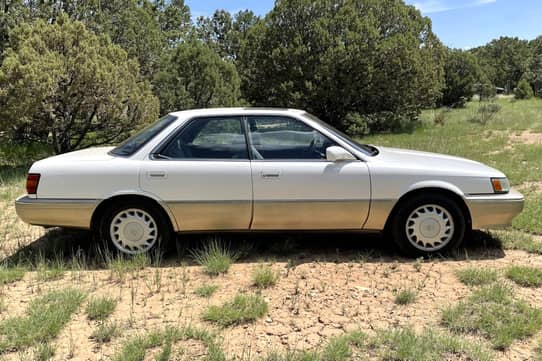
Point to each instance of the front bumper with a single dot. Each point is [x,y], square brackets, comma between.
[495,210]
[75,213]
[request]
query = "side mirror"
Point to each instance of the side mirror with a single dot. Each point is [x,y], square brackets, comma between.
[338,154]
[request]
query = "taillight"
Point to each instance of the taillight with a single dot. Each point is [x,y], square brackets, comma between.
[32,181]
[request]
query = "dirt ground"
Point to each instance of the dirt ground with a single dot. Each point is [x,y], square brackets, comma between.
[328,285]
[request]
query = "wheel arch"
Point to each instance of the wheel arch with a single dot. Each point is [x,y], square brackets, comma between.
[430,189]
[105,203]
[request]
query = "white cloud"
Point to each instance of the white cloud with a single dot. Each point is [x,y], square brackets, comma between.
[436,6]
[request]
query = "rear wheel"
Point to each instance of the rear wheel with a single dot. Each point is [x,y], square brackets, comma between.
[134,227]
[428,224]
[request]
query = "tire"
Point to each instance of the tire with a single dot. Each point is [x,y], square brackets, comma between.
[135,227]
[429,224]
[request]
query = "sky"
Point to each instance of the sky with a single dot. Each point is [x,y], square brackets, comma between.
[459,24]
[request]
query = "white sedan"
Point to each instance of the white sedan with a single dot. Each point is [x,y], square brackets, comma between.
[245,169]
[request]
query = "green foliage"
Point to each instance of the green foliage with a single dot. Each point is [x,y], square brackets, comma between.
[242,309]
[376,58]
[11,274]
[404,297]
[100,308]
[44,352]
[215,257]
[193,76]
[475,276]
[523,90]
[493,312]
[71,87]
[206,290]
[403,344]
[461,73]
[514,239]
[135,348]
[525,276]
[45,318]
[504,61]
[105,332]
[264,277]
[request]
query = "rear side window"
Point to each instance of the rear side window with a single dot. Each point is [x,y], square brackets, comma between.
[209,138]
[135,142]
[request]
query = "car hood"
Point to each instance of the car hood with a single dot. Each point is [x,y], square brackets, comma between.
[435,163]
[85,155]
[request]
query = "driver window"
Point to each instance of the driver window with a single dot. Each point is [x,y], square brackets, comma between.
[209,138]
[285,138]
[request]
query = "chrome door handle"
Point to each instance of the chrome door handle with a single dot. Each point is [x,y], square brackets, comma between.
[158,174]
[270,174]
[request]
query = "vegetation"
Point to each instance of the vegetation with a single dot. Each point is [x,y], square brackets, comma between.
[135,348]
[64,85]
[475,276]
[11,274]
[215,257]
[242,309]
[493,313]
[44,319]
[100,308]
[404,297]
[105,332]
[525,276]
[523,90]
[206,290]
[264,277]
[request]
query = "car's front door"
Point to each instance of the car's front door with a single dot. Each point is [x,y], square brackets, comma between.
[295,187]
[203,175]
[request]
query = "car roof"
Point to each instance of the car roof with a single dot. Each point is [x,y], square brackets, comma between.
[235,111]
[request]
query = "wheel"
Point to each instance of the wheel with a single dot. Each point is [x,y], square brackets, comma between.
[134,227]
[428,224]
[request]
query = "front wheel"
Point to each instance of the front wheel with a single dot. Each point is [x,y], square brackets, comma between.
[428,224]
[134,227]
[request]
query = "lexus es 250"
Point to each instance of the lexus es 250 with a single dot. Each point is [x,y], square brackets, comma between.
[243,169]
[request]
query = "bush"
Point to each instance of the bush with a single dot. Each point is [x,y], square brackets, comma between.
[486,112]
[242,309]
[523,90]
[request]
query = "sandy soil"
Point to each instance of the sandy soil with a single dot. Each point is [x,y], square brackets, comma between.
[324,290]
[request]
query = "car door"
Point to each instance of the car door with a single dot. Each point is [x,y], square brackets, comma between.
[203,175]
[295,187]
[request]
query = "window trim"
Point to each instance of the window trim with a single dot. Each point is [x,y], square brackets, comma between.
[168,139]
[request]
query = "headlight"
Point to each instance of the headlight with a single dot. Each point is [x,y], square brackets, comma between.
[500,185]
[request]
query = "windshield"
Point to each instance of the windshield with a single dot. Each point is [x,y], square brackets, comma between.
[365,148]
[138,140]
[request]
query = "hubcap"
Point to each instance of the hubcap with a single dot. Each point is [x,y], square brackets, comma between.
[133,231]
[430,227]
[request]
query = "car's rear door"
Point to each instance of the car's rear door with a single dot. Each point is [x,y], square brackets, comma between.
[295,187]
[203,174]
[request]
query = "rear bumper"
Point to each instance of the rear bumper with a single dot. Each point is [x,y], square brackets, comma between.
[496,210]
[76,213]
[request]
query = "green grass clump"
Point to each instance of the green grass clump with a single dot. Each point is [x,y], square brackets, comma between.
[514,239]
[45,318]
[242,309]
[50,270]
[10,275]
[44,352]
[529,220]
[525,276]
[215,257]
[100,308]
[136,348]
[404,297]
[493,313]
[105,332]
[473,276]
[403,344]
[122,265]
[264,277]
[206,290]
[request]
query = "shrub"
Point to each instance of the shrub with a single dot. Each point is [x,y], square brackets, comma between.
[523,90]
[404,297]
[215,257]
[100,308]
